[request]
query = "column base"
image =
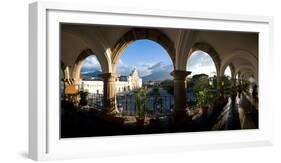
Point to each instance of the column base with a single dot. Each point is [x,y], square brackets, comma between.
[111,111]
[180,118]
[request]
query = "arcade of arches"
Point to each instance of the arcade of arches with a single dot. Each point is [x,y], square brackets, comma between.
[238,50]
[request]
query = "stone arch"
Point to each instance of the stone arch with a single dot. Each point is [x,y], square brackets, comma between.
[243,54]
[75,42]
[247,74]
[243,68]
[138,34]
[64,74]
[79,62]
[207,48]
[232,69]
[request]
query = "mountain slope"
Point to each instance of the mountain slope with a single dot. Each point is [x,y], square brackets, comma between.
[160,75]
[92,74]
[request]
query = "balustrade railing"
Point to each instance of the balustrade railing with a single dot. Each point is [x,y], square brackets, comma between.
[126,104]
[154,105]
[95,100]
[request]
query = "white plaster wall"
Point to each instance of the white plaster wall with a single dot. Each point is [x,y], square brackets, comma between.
[92,86]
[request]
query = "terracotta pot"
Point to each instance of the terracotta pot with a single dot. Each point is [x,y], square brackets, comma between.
[154,122]
[205,110]
[140,122]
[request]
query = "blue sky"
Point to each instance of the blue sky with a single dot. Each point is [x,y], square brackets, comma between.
[90,64]
[145,55]
[149,57]
[146,50]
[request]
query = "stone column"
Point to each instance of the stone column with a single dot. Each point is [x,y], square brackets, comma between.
[239,78]
[233,82]
[109,94]
[180,95]
[220,86]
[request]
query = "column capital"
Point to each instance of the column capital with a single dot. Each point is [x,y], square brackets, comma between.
[180,74]
[109,76]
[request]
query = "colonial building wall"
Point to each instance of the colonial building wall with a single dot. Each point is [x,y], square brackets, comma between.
[132,82]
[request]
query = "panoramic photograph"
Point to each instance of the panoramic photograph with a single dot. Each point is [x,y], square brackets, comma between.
[125,80]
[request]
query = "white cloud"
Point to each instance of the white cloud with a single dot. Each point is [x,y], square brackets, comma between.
[122,68]
[227,71]
[198,69]
[144,69]
[120,63]
[91,64]
[200,62]
[161,66]
[91,61]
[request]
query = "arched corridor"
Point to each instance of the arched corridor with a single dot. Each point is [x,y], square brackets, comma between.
[154,80]
[237,114]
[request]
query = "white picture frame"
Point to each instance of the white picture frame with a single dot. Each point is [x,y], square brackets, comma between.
[44,142]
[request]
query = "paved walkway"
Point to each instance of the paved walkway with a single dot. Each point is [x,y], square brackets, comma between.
[236,115]
[248,113]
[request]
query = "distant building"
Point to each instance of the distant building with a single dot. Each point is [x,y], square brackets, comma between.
[151,83]
[94,85]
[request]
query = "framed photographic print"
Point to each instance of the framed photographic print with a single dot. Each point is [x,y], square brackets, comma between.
[104,80]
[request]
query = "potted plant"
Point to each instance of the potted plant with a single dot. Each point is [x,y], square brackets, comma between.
[140,97]
[203,100]
[83,98]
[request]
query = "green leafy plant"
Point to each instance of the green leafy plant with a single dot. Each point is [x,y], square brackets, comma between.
[83,98]
[203,97]
[140,98]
